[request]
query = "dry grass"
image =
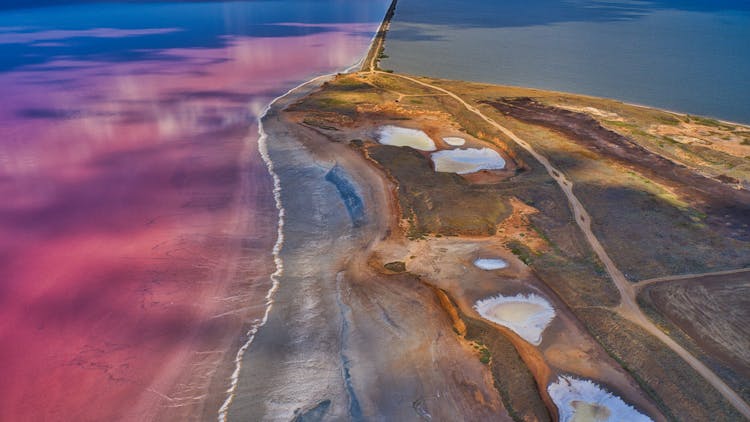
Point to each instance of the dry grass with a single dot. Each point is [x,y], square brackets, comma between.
[677,389]
[643,224]
[709,315]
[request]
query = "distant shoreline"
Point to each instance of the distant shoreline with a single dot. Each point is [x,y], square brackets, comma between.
[639,61]
[624,148]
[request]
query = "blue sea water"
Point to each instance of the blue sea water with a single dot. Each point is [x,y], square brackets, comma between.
[201,24]
[138,216]
[684,55]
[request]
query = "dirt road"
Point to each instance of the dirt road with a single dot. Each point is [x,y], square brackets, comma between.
[628,307]
[643,283]
[373,55]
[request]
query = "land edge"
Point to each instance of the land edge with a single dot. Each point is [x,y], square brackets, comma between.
[628,292]
[370,64]
[628,308]
[242,343]
[495,328]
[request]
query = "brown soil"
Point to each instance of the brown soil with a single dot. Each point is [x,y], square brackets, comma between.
[403,347]
[724,139]
[440,223]
[517,227]
[683,395]
[566,348]
[728,207]
[347,337]
[713,311]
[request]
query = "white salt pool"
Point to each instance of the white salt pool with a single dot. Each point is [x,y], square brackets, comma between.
[584,401]
[469,160]
[525,315]
[454,141]
[405,137]
[490,264]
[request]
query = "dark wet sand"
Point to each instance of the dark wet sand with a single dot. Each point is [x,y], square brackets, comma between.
[137,225]
[344,340]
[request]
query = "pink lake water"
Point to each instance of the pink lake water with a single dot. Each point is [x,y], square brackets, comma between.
[137,217]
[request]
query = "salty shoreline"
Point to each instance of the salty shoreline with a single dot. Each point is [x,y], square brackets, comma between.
[290,357]
[257,324]
[139,217]
[289,369]
[294,93]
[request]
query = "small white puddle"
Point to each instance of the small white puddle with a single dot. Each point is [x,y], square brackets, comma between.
[454,141]
[405,137]
[469,160]
[585,401]
[490,264]
[525,315]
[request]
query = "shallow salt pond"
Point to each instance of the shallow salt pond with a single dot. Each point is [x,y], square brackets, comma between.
[454,141]
[469,160]
[525,315]
[585,401]
[405,137]
[490,264]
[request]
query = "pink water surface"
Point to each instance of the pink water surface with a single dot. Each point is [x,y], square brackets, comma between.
[137,220]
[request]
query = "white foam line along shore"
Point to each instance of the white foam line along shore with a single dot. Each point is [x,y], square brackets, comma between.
[278,262]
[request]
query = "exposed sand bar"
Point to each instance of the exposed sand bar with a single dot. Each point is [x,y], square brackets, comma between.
[291,363]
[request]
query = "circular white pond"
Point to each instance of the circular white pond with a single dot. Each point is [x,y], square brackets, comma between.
[585,401]
[525,315]
[405,137]
[468,160]
[490,263]
[454,141]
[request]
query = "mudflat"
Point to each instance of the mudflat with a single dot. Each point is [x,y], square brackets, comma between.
[346,339]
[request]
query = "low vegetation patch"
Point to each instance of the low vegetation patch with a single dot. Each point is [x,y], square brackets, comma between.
[396,266]
[439,203]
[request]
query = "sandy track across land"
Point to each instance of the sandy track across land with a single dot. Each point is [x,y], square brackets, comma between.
[643,283]
[628,307]
[320,352]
